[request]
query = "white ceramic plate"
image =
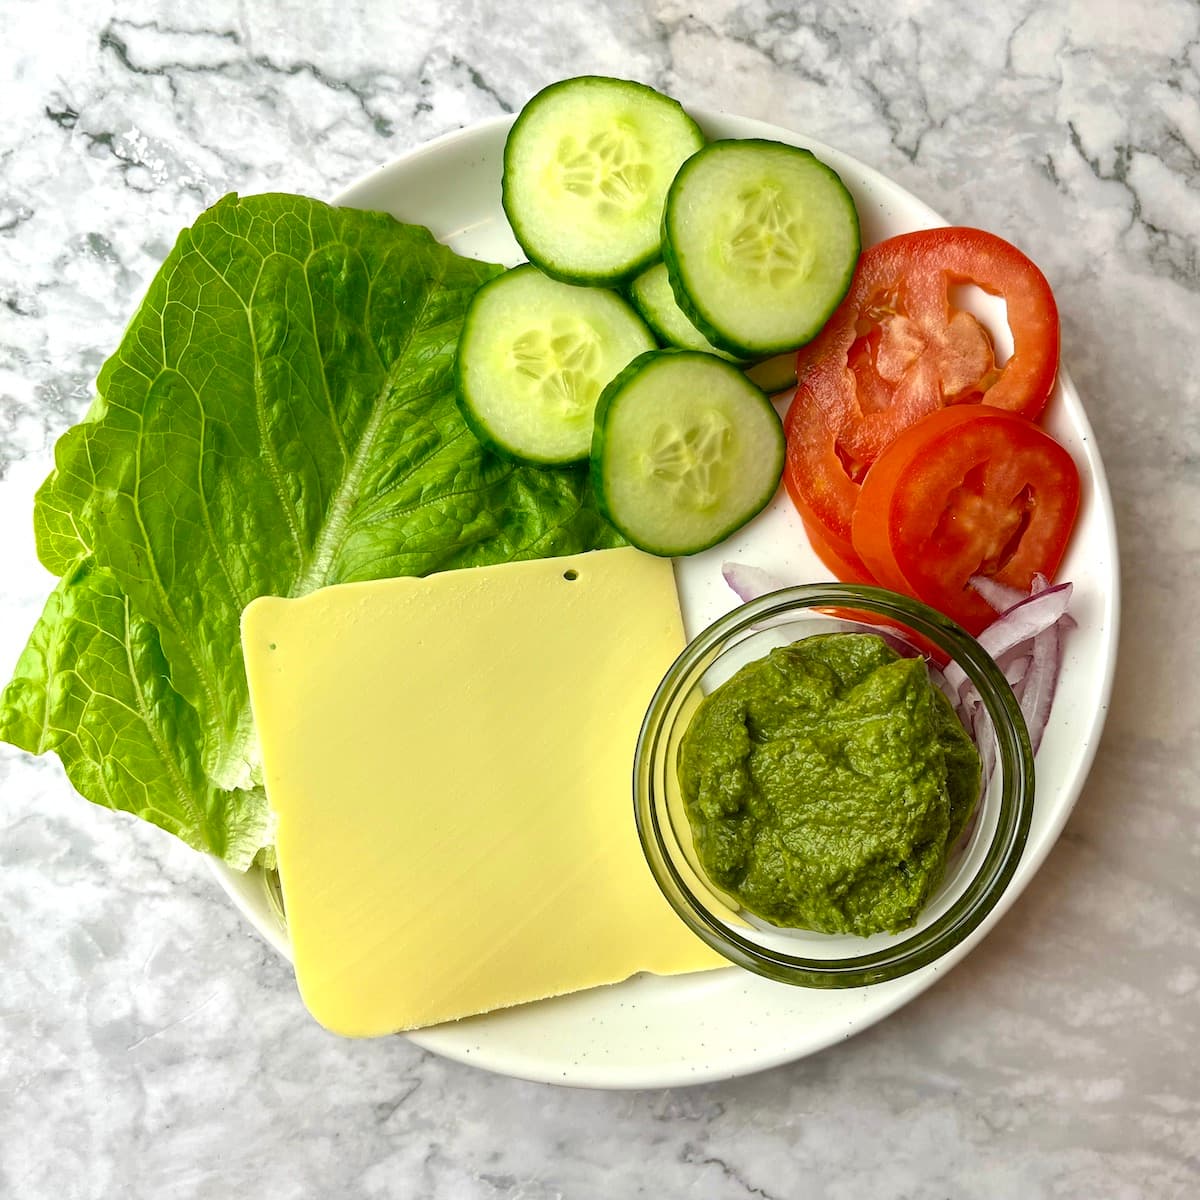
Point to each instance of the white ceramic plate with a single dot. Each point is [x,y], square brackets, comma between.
[653,1032]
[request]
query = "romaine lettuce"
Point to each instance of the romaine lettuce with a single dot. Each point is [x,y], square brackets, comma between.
[279,416]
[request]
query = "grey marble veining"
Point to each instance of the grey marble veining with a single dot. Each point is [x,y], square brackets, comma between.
[151,1045]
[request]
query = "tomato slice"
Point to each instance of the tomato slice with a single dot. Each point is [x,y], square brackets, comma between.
[968,490]
[823,487]
[897,348]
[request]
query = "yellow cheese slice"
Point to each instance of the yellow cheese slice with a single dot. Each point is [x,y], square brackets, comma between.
[449,760]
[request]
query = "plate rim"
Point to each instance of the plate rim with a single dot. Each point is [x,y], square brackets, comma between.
[597,1075]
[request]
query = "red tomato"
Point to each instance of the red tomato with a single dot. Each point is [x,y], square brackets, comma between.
[967,490]
[818,481]
[896,348]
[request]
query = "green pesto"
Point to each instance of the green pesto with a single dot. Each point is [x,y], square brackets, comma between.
[825,784]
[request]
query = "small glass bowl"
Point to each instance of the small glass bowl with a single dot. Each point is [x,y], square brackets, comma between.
[978,867]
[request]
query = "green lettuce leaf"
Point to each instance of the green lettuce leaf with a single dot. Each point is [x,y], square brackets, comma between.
[279,416]
[92,686]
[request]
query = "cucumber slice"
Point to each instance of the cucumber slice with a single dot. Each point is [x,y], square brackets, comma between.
[774,375]
[686,450]
[587,165]
[760,242]
[652,296]
[534,356]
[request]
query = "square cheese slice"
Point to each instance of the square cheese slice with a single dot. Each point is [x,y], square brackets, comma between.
[449,760]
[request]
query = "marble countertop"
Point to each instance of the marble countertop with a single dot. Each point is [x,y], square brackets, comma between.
[153,1045]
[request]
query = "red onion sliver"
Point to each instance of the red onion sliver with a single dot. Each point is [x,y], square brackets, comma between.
[747,582]
[1037,694]
[985,740]
[1015,666]
[999,596]
[1025,620]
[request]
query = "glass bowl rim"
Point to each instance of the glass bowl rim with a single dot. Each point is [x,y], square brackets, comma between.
[1014,760]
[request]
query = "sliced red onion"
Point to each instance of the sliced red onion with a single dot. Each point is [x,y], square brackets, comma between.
[1037,612]
[747,582]
[997,595]
[1015,668]
[1001,596]
[1026,642]
[1026,620]
[960,685]
[980,725]
[1039,684]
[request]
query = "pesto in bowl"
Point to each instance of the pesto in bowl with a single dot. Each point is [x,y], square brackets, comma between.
[826,783]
